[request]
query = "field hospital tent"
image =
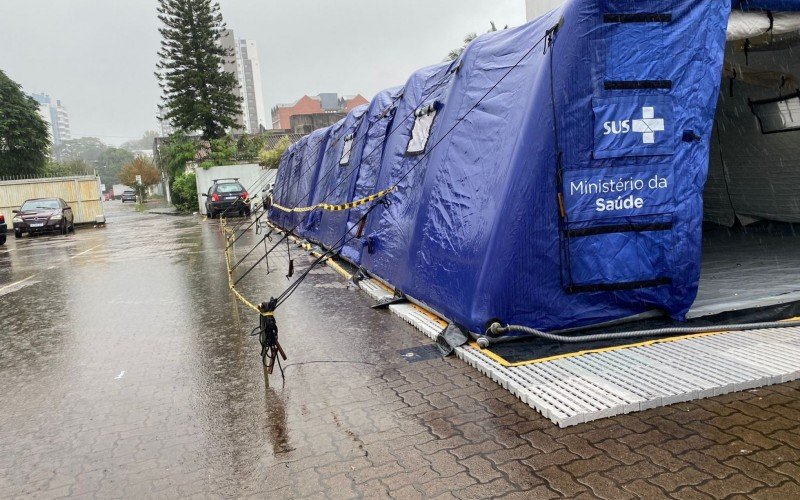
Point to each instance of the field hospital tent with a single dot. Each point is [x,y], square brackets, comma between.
[554,176]
[365,163]
[281,189]
[334,178]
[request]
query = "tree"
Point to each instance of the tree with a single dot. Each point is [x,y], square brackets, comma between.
[74,166]
[271,158]
[110,163]
[149,173]
[198,93]
[248,147]
[24,136]
[456,53]
[88,149]
[175,153]
[146,142]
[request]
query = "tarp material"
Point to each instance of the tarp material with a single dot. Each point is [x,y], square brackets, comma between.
[278,217]
[307,172]
[770,5]
[366,159]
[389,227]
[285,185]
[333,185]
[561,184]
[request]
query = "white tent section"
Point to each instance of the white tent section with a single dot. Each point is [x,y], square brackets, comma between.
[754,171]
[744,25]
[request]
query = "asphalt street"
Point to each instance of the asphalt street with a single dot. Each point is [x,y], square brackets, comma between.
[127,370]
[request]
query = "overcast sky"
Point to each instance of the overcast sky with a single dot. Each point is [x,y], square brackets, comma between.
[98,56]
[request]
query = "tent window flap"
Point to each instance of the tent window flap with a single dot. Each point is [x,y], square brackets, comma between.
[347,150]
[421,132]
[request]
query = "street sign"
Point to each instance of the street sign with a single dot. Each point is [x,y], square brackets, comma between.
[138,179]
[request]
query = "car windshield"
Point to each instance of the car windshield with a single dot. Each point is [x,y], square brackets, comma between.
[229,188]
[31,205]
[128,192]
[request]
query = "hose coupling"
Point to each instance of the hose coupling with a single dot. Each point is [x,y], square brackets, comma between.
[495,330]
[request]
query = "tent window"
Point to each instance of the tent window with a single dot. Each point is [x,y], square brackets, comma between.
[423,123]
[347,150]
[778,115]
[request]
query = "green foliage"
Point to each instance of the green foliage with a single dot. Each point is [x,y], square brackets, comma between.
[248,147]
[106,160]
[221,152]
[24,136]
[178,150]
[175,153]
[110,163]
[146,142]
[271,158]
[74,166]
[198,93]
[184,193]
[88,149]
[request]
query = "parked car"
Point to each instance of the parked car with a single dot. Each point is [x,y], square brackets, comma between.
[3,229]
[129,196]
[226,196]
[43,214]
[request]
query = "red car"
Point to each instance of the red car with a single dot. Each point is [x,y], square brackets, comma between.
[43,214]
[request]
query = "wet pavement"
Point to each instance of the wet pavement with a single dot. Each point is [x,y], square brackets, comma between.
[127,371]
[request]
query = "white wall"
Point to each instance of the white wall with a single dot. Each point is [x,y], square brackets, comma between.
[536,8]
[247,174]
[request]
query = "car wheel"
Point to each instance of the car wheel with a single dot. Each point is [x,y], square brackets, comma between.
[72,226]
[17,234]
[64,227]
[2,239]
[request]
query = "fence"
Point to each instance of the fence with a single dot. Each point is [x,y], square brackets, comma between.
[82,193]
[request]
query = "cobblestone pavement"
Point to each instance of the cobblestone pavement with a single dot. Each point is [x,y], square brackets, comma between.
[127,372]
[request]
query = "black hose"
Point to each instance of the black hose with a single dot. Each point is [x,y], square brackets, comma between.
[496,329]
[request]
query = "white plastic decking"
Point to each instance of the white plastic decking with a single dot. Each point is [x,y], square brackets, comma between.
[589,386]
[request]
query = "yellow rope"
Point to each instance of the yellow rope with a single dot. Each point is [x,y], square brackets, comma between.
[335,208]
[232,288]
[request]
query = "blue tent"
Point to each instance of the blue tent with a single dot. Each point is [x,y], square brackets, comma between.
[307,170]
[366,159]
[326,227]
[553,175]
[390,225]
[281,187]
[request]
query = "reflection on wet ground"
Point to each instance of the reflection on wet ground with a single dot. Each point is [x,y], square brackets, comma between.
[128,371]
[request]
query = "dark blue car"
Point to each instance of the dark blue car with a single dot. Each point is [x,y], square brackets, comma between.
[3,229]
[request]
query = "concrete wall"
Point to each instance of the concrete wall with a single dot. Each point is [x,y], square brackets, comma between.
[247,174]
[536,8]
[82,193]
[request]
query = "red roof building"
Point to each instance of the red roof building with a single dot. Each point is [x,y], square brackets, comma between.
[311,105]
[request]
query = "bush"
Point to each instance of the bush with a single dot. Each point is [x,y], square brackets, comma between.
[271,158]
[184,193]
